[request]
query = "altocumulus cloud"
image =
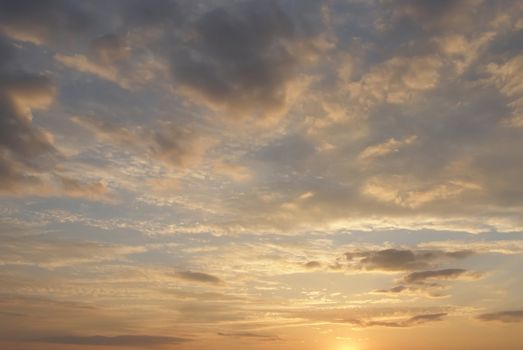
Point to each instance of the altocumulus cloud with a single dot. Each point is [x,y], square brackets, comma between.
[169,143]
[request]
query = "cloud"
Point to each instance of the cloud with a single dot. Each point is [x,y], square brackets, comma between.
[409,193]
[173,145]
[107,131]
[383,115]
[233,171]
[206,312]
[241,59]
[423,282]
[427,9]
[178,146]
[383,149]
[119,340]
[28,157]
[25,150]
[400,259]
[199,277]
[109,48]
[312,265]
[12,314]
[78,189]
[113,58]
[511,316]
[53,254]
[409,322]
[136,14]
[396,89]
[83,64]
[20,94]
[504,247]
[396,81]
[44,21]
[507,77]
[250,335]
[269,51]
[420,277]
[375,317]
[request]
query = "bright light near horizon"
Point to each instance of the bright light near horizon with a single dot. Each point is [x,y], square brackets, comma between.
[348,347]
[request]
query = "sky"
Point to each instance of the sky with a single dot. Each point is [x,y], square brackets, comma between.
[261,175]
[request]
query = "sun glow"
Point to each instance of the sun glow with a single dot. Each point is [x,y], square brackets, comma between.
[348,347]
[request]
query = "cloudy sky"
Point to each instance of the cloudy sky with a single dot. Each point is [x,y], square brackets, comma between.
[251,175]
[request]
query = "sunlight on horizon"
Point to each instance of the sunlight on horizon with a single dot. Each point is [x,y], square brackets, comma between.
[349,347]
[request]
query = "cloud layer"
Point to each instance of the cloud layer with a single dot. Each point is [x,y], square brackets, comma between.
[119,340]
[245,174]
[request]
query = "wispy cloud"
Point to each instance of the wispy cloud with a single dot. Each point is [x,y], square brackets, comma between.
[426,282]
[510,316]
[199,277]
[118,340]
[249,335]
[401,259]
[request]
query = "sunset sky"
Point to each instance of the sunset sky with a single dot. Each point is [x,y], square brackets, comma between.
[261,175]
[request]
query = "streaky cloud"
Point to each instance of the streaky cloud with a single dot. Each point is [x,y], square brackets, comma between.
[119,340]
[509,316]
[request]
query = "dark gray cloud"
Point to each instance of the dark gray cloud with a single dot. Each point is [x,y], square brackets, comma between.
[40,21]
[423,282]
[17,134]
[22,145]
[6,51]
[427,8]
[250,335]
[198,277]
[119,340]
[177,146]
[109,48]
[423,276]
[236,58]
[138,13]
[394,290]
[432,290]
[241,59]
[422,20]
[12,314]
[409,322]
[511,316]
[312,264]
[400,259]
